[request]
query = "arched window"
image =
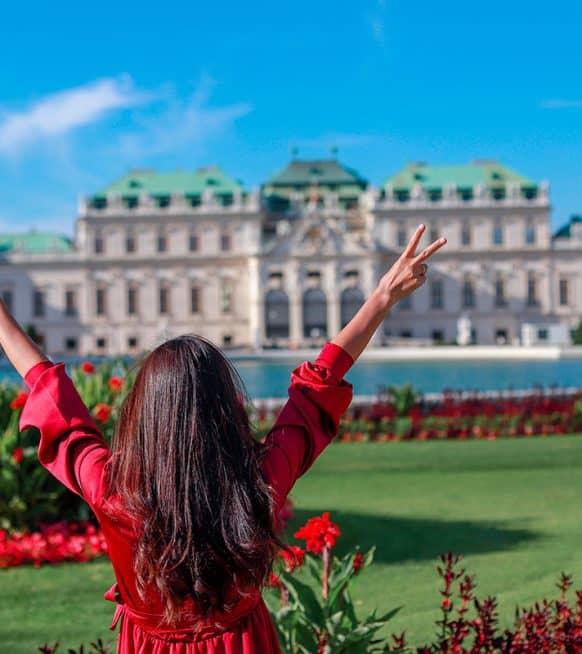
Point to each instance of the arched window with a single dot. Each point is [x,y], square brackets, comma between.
[314,313]
[276,314]
[351,300]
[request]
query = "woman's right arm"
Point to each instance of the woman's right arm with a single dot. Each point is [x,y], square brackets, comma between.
[318,394]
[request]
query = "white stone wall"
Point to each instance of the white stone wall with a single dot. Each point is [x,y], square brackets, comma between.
[245,267]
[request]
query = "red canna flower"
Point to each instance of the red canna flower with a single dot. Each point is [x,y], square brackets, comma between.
[87,367]
[319,533]
[17,455]
[358,561]
[293,556]
[19,401]
[102,412]
[115,384]
[273,581]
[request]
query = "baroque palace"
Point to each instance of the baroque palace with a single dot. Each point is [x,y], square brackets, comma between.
[155,255]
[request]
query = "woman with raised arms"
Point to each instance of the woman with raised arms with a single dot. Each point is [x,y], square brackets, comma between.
[186,497]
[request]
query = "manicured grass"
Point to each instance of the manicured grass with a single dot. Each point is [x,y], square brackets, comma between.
[511,506]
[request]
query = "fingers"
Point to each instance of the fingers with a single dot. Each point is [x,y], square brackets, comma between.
[414,241]
[431,249]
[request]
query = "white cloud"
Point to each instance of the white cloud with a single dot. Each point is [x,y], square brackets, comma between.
[561,104]
[181,123]
[60,113]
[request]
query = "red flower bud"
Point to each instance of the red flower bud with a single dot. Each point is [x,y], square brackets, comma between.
[17,455]
[116,384]
[358,562]
[87,367]
[102,412]
[19,401]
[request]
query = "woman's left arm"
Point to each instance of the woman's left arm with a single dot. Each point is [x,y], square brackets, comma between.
[71,445]
[18,347]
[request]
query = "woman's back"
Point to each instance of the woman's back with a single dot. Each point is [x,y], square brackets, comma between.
[73,449]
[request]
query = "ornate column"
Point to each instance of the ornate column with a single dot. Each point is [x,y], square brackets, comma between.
[333,313]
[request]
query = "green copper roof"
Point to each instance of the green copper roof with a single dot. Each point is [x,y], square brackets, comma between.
[324,172]
[489,174]
[35,243]
[566,230]
[150,182]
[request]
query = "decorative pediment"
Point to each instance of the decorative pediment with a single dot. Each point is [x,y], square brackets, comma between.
[321,235]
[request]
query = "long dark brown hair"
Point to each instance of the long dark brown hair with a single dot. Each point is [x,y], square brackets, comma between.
[187,467]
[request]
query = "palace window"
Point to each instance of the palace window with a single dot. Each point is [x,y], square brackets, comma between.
[99,244]
[132,342]
[468,295]
[193,243]
[100,301]
[438,336]
[195,297]
[101,342]
[530,234]
[130,202]
[226,340]
[465,235]
[130,243]
[532,291]
[564,292]
[132,300]
[38,304]
[500,300]
[226,297]
[401,236]
[71,344]
[162,243]
[434,234]
[436,294]
[405,304]
[225,242]
[70,303]
[498,234]
[164,299]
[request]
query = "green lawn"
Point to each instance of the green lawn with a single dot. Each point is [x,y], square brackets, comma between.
[511,506]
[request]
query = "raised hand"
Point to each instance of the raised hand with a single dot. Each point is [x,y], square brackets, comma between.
[409,272]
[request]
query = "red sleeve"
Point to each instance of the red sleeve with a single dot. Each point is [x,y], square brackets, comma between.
[71,445]
[318,396]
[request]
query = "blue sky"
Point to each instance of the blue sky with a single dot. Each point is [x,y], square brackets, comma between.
[90,90]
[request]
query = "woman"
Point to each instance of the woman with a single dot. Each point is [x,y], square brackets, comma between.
[186,497]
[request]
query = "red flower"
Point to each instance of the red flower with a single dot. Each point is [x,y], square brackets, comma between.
[19,401]
[17,455]
[87,367]
[102,412]
[293,557]
[319,533]
[273,581]
[446,603]
[116,384]
[358,562]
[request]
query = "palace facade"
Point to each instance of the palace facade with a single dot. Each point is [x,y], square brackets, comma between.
[155,255]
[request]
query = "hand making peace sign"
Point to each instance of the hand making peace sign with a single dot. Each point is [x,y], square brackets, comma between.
[409,272]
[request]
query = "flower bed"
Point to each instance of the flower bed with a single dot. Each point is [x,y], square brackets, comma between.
[29,496]
[404,415]
[55,543]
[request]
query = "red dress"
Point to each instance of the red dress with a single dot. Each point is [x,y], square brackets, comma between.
[74,451]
